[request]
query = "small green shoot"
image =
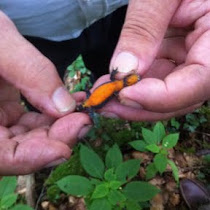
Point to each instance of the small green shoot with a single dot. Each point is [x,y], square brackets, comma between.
[8,197]
[109,184]
[157,142]
[194,120]
[78,65]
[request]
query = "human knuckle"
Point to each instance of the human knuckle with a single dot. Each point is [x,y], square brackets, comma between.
[140,28]
[40,72]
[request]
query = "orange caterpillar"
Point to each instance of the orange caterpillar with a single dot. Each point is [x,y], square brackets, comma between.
[104,92]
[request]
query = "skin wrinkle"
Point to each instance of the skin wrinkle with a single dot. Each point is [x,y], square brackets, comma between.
[196,9]
[138,29]
[4,133]
[72,126]
[176,100]
[34,120]
[18,129]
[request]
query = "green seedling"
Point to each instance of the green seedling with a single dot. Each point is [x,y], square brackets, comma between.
[108,185]
[157,142]
[78,65]
[8,197]
[194,120]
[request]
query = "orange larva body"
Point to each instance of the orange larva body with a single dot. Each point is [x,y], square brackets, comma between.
[102,93]
[105,91]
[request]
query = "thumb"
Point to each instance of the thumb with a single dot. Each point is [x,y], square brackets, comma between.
[31,72]
[144,28]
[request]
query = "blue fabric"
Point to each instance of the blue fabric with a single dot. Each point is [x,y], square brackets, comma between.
[57,20]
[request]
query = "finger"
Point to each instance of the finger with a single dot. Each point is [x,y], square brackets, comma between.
[116,110]
[10,112]
[174,49]
[173,32]
[8,92]
[160,69]
[28,156]
[18,129]
[189,11]
[79,96]
[34,120]
[5,133]
[28,70]
[144,28]
[70,128]
[180,89]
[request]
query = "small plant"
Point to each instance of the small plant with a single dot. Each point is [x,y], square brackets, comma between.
[159,143]
[79,66]
[109,184]
[8,197]
[175,125]
[194,120]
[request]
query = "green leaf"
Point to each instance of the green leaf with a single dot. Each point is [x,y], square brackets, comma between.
[7,201]
[83,70]
[140,191]
[113,157]
[175,123]
[138,145]
[160,162]
[95,181]
[206,159]
[7,185]
[164,151]
[115,197]
[100,204]
[159,132]
[110,175]
[75,185]
[153,148]
[115,185]
[175,170]
[72,73]
[21,207]
[149,136]
[91,162]
[170,140]
[127,169]
[100,191]
[70,68]
[151,171]
[132,205]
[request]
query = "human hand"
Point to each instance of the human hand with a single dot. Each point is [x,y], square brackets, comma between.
[167,88]
[30,141]
[32,73]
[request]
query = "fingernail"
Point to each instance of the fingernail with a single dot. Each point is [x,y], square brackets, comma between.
[125,62]
[55,162]
[63,101]
[130,103]
[84,131]
[109,115]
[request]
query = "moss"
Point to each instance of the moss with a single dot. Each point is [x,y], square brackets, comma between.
[72,166]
